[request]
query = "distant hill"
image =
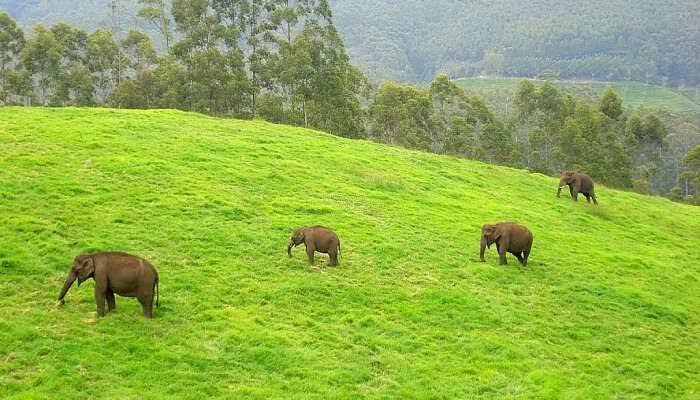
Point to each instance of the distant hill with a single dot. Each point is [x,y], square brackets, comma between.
[607,308]
[498,91]
[641,40]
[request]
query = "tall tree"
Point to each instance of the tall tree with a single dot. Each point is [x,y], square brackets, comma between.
[610,104]
[75,85]
[102,55]
[41,57]
[323,82]
[690,179]
[216,78]
[136,89]
[157,13]
[11,42]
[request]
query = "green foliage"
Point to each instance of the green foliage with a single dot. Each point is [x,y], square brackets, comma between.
[499,92]
[610,104]
[102,53]
[439,119]
[41,57]
[11,42]
[624,40]
[645,40]
[689,180]
[410,312]
[156,12]
[569,132]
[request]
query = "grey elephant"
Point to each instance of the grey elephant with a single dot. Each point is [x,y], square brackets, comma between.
[509,237]
[316,238]
[115,273]
[578,182]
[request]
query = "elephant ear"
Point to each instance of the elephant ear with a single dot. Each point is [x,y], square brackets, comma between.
[497,233]
[87,268]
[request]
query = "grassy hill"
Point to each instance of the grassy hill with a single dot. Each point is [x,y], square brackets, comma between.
[635,94]
[608,307]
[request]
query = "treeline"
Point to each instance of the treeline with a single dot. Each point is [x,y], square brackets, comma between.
[411,40]
[280,60]
[286,63]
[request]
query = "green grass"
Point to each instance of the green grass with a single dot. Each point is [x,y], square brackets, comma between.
[634,94]
[608,307]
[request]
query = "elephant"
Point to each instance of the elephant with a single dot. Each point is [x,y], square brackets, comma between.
[115,272]
[509,237]
[578,182]
[316,238]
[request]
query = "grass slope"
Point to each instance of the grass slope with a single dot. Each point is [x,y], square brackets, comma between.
[607,309]
[634,94]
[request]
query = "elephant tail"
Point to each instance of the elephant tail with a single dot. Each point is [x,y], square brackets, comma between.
[157,293]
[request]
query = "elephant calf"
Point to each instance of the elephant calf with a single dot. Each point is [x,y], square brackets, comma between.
[578,182]
[115,272]
[508,237]
[316,238]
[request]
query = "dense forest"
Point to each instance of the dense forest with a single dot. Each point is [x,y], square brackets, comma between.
[285,62]
[642,40]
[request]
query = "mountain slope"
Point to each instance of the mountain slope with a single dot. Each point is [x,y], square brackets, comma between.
[637,40]
[607,308]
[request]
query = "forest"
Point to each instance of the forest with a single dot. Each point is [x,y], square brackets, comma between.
[284,61]
[645,40]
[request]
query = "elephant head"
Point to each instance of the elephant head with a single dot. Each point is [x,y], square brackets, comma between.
[566,178]
[83,268]
[297,238]
[489,235]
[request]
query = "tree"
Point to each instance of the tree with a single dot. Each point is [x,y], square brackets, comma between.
[690,179]
[322,81]
[610,104]
[462,120]
[215,75]
[74,83]
[135,90]
[401,115]
[497,143]
[41,57]
[11,43]
[102,55]
[156,12]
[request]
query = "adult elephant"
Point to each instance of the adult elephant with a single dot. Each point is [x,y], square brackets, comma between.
[115,272]
[508,237]
[577,182]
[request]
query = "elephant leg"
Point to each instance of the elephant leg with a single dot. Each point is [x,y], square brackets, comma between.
[334,257]
[111,304]
[574,195]
[571,192]
[502,254]
[526,254]
[519,256]
[147,304]
[310,253]
[100,301]
[588,197]
[594,199]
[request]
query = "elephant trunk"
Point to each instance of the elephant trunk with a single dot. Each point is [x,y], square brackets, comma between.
[483,248]
[72,276]
[289,248]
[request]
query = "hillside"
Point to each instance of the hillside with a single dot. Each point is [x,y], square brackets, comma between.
[412,40]
[606,309]
[499,91]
